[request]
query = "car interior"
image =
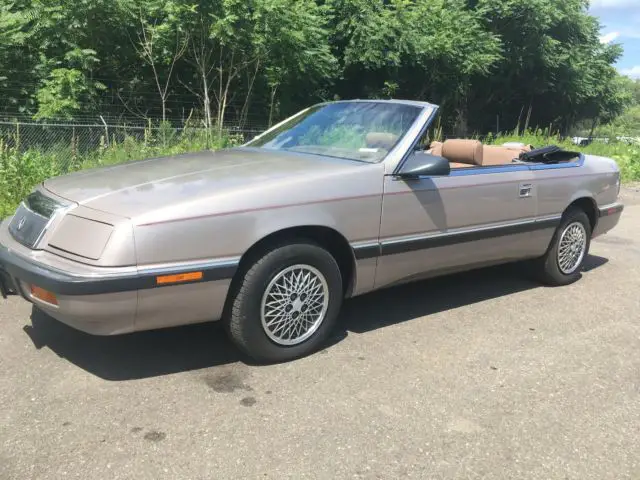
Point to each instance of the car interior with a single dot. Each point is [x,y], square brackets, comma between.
[461,153]
[464,153]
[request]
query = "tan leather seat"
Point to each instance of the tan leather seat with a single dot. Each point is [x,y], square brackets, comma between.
[502,154]
[463,153]
[497,155]
[460,165]
[468,152]
[435,148]
[381,140]
[518,146]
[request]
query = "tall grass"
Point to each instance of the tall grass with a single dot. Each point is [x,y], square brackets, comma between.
[21,170]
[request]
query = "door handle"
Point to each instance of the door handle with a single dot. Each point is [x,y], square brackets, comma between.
[525,190]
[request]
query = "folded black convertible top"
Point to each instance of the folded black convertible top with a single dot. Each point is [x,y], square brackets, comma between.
[549,154]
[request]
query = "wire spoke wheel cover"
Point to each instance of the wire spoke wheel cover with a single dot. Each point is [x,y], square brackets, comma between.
[572,247]
[294,304]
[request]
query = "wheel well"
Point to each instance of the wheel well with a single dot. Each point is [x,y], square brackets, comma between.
[588,206]
[326,237]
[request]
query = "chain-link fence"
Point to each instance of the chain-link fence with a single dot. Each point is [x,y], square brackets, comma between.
[31,152]
[87,137]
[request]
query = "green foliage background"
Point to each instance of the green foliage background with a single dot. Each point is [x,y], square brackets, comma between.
[492,66]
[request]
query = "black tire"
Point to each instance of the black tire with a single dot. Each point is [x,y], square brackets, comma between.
[547,267]
[243,319]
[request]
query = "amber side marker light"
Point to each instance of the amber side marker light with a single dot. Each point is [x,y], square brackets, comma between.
[44,295]
[179,278]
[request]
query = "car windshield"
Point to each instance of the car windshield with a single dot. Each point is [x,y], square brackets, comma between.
[363,131]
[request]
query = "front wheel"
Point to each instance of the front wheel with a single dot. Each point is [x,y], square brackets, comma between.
[286,303]
[569,247]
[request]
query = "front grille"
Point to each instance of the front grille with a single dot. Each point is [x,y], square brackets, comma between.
[32,217]
[27,226]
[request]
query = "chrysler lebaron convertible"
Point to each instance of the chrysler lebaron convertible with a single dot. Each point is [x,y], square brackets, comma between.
[341,199]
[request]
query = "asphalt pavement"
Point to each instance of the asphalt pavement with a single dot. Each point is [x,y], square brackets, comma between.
[480,375]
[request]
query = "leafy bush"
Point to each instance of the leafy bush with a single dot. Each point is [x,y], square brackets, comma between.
[19,172]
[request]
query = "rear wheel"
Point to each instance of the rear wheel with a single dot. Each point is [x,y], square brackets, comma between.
[286,303]
[569,247]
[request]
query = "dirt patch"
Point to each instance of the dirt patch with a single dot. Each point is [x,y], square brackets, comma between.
[630,193]
[227,381]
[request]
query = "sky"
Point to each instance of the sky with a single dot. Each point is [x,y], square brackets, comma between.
[620,21]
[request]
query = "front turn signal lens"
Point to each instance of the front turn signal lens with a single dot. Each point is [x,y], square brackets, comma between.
[179,278]
[44,295]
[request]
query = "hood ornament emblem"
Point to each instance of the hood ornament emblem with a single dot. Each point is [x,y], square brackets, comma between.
[21,223]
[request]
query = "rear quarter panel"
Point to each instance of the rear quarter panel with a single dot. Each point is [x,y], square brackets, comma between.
[595,178]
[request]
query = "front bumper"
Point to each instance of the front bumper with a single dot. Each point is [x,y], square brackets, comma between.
[82,292]
[110,301]
[97,314]
[70,283]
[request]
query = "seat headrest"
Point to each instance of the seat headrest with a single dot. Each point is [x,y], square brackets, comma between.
[381,140]
[463,151]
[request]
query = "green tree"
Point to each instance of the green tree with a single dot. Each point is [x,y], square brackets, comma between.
[488,63]
[427,49]
[239,46]
[13,36]
[553,70]
[160,41]
[62,94]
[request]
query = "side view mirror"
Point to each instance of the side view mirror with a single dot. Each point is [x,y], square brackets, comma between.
[424,164]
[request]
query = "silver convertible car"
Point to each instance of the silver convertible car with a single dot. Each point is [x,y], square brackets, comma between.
[338,200]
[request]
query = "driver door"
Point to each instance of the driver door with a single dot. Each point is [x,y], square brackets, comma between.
[471,217]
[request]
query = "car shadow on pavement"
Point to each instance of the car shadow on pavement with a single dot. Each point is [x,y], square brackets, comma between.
[406,302]
[136,355]
[181,349]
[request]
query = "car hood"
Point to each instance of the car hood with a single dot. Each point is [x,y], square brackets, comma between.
[139,187]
